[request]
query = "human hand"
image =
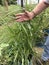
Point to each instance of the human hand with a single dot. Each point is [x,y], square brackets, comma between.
[21,17]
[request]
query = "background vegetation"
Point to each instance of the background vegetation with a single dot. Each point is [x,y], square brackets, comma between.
[9,1]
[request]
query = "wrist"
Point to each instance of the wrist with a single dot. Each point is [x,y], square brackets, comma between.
[33,14]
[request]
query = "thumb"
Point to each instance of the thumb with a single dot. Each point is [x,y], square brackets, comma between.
[25,11]
[28,14]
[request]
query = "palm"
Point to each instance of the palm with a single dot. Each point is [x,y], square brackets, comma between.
[23,16]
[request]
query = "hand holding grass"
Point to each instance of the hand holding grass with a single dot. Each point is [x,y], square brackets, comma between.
[29,15]
[21,17]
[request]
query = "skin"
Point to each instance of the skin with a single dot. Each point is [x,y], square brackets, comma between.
[22,17]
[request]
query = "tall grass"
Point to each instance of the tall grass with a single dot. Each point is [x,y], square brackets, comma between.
[20,37]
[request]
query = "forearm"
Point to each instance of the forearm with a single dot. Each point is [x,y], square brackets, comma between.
[40,7]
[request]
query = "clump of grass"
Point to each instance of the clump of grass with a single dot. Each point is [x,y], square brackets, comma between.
[21,38]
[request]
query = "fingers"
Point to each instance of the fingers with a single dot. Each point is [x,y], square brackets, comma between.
[18,17]
[20,14]
[22,19]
